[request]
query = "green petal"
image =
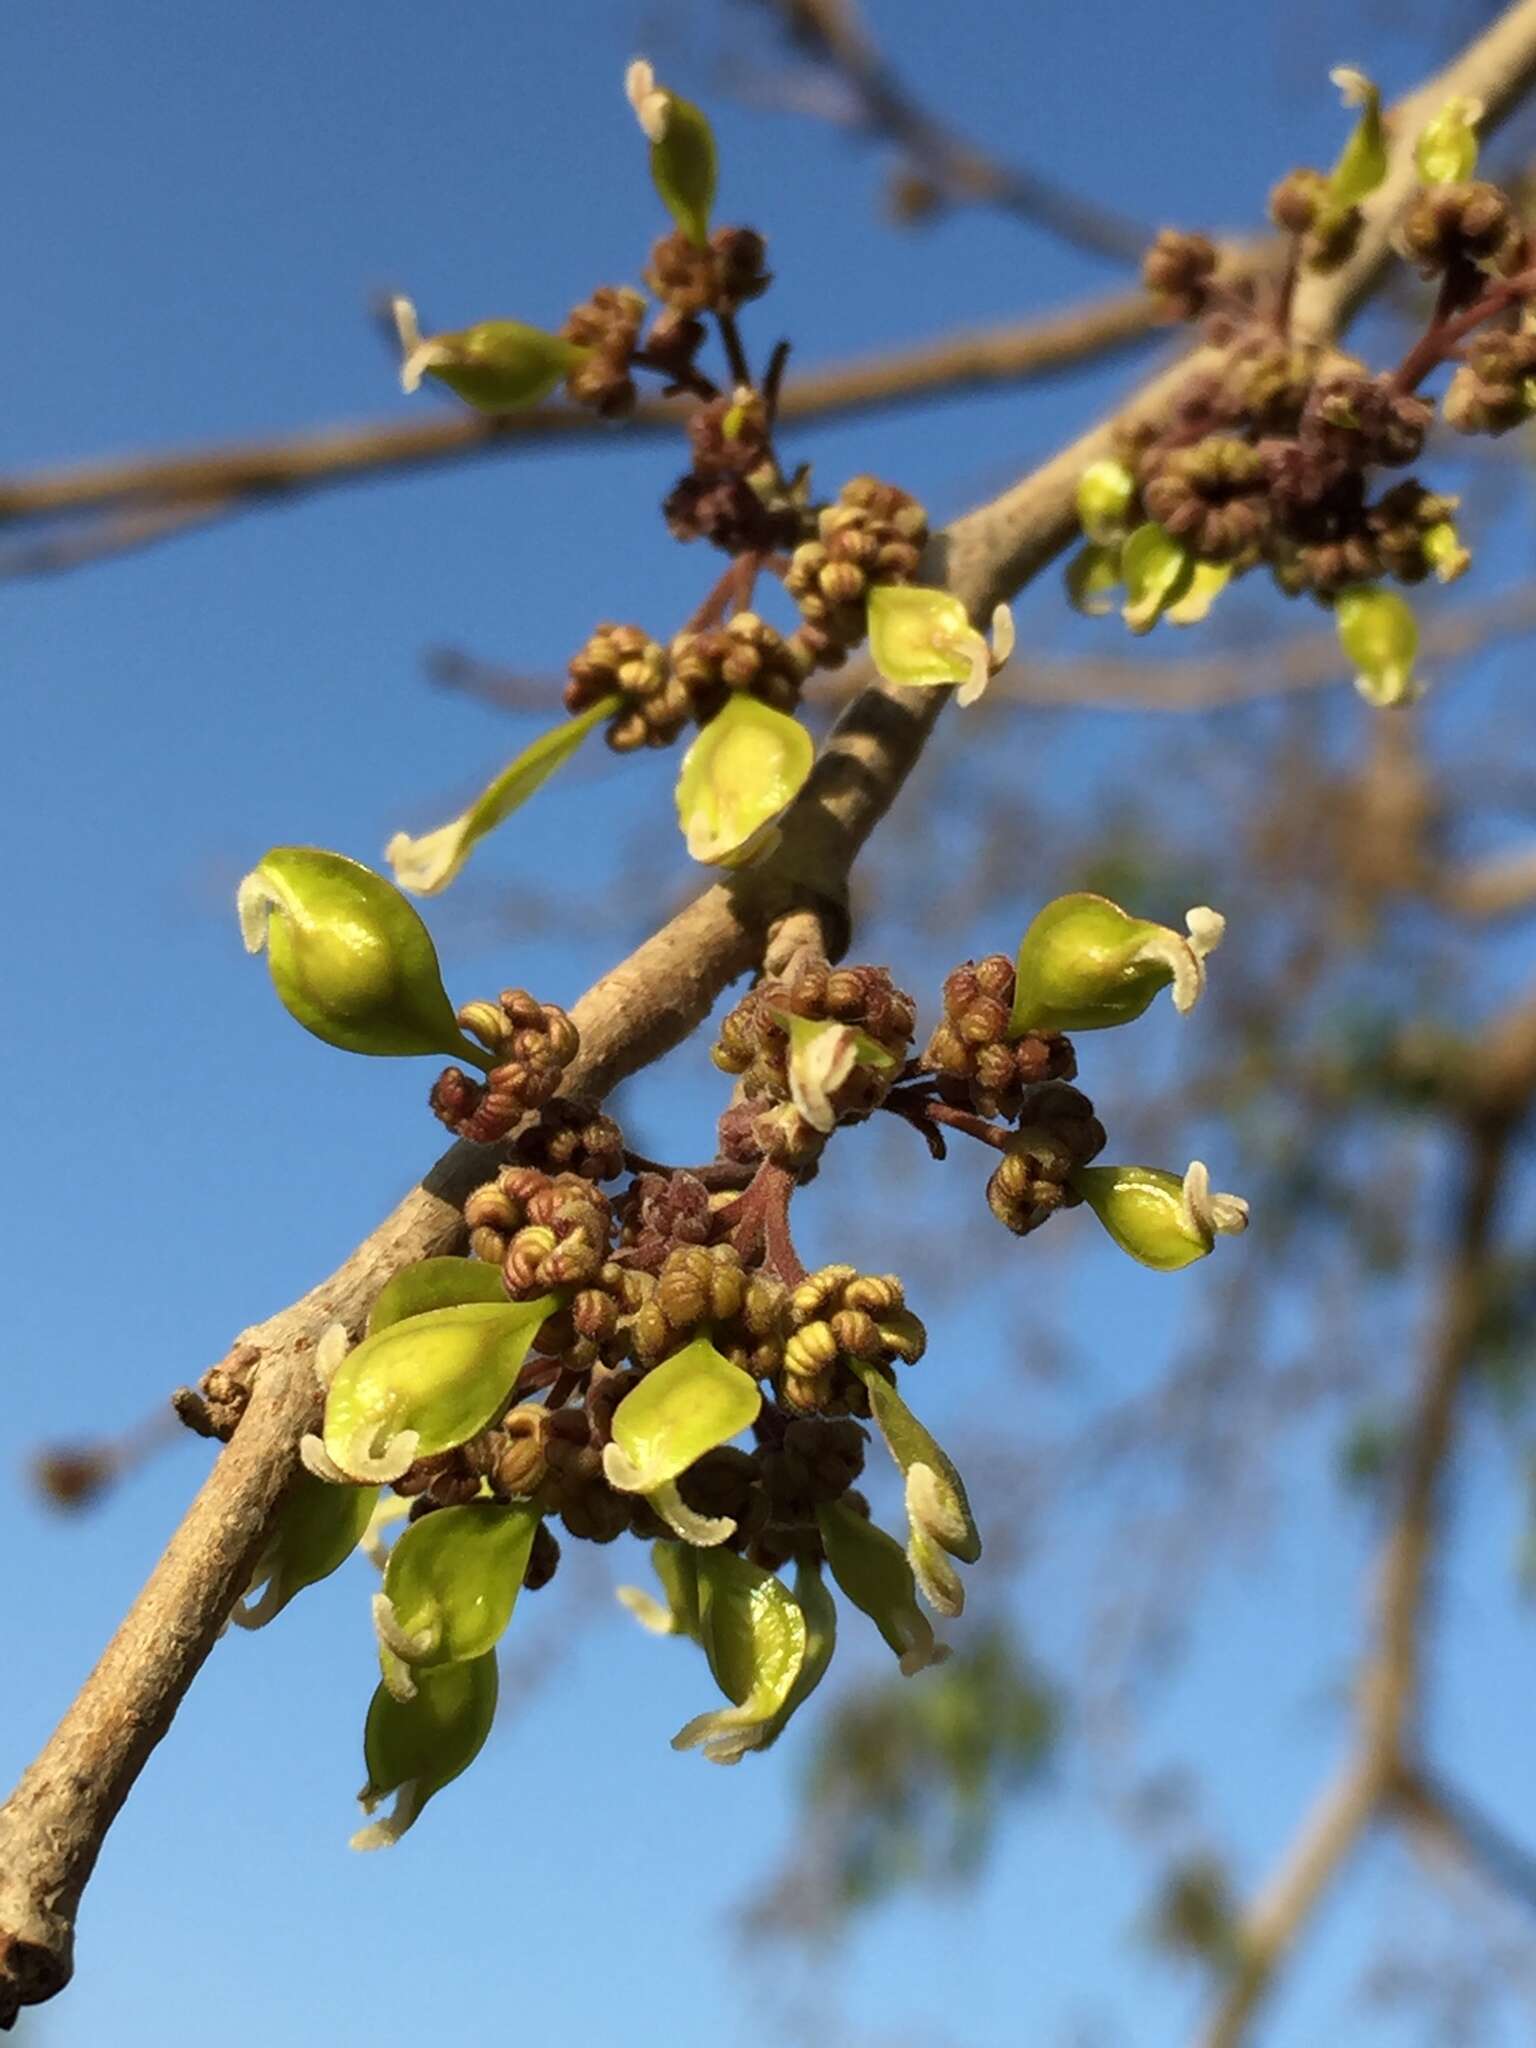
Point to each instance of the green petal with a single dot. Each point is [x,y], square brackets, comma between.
[318,1528]
[693,1402]
[452,1582]
[1378,631]
[1086,965]
[350,958]
[1145,1212]
[1091,575]
[1362,163]
[1446,151]
[919,636]
[1206,583]
[1157,570]
[497,366]
[872,1569]
[429,863]
[1105,493]
[682,143]
[434,1283]
[427,1384]
[415,1747]
[747,763]
[938,1509]
[755,1637]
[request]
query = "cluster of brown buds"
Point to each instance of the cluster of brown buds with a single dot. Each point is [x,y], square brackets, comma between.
[1272,453]
[531,1044]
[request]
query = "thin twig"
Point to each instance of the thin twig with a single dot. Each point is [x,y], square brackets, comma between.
[955,168]
[1390,1687]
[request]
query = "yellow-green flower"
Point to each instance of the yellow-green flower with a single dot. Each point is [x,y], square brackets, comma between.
[921,637]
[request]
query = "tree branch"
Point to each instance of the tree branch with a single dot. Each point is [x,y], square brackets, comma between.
[52,1828]
[1371,1779]
[212,483]
[953,168]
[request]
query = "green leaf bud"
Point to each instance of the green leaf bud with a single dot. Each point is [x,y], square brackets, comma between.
[872,1569]
[682,151]
[922,637]
[1362,162]
[1156,570]
[434,1283]
[414,1747]
[754,1636]
[1165,1222]
[1091,575]
[317,1529]
[691,1403]
[939,1519]
[497,366]
[429,862]
[422,1386]
[1379,633]
[747,763]
[1446,151]
[1105,492]
[1085,964]
[351,960]
[450,1586]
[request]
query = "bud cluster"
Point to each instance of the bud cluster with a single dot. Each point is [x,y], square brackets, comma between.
[872,533]
[762,1042]
[533,1043]
[971,1052]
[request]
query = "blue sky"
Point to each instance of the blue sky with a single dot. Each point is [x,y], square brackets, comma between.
[203,201]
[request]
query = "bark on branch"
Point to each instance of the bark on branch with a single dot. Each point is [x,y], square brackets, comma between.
[52,1828]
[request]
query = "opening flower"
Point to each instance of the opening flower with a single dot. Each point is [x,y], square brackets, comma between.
[920,637]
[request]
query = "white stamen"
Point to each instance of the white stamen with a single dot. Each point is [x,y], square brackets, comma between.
[937,1579]
[253,905]
[330,1351]
[416,354]
[649,102]
[385,1514]
[621,1471]
[818,1069]
[1212,1215]
[1354,87]
[383,1834]
[317,1461]
[249,1613]
[931,1506]
[921,1657]
[362,1459]
[725,1735]
[648,1611]
[406,1644]
[1206,928]
[702,1531]
[1182,962]
[426,864]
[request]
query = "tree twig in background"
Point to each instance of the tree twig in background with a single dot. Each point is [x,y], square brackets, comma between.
[1383,1761]
[53,1826]
[945,167]
[211,483]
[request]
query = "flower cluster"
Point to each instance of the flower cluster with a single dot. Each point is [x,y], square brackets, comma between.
[841,560]
[1273,455]
[634,1350]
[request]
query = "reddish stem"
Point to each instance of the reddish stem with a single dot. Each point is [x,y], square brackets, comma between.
[1442,336]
